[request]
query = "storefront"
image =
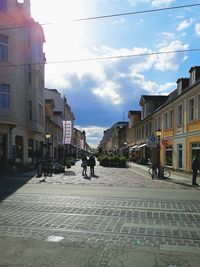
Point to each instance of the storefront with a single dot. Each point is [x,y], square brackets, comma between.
[3,154]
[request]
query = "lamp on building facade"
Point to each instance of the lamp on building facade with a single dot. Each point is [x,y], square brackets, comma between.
[48,136]
[158,134]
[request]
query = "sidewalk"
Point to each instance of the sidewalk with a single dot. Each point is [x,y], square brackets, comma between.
[175,176]
[26,252]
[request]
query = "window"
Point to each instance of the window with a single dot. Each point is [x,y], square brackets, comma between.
[30,110]
[159,123]
[170,119]
[191,109]
[166,121]
[180,156]
[29,74]
[3,5]
[180,114]
[168,155]
[155,125]
[4,96]
[19,149]
[198,106]
[30,150]
[40,114]
[195,150]
[3,48]
[146,129]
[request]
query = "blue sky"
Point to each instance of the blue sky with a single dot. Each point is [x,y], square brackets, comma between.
[102,92]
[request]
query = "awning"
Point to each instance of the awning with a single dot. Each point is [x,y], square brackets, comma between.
[133,147]
[142,145]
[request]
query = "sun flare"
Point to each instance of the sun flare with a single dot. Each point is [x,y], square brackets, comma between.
[64,36]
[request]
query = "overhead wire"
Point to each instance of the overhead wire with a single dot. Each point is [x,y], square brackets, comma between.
[104,58]
[110,57]
[112,15]
[137,12]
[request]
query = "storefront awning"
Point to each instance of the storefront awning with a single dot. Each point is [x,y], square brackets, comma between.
[142,145]
[133,147]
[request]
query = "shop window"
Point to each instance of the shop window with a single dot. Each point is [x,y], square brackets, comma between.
[180,156]
[30,150]
[168,155]
[19,149]
[195,150]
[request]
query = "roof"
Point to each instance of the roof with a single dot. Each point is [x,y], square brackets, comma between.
[134,112]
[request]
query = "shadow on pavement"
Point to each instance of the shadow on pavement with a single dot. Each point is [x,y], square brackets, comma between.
[87,177]
[180,183]
[9,184]
[69,173]
[95,176]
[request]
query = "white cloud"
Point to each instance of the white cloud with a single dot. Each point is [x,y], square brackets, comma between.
[197,29]
[93,134]
[167,87]
[119,21]
[185,24]
[171,61]
[108,91]
[158,3]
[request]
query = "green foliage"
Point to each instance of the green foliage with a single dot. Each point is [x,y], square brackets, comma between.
[112,161]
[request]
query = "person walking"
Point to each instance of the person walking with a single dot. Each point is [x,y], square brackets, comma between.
[91,163]
[84,165]
[195,168]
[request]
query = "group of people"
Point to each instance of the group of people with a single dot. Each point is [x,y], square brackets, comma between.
[91,162]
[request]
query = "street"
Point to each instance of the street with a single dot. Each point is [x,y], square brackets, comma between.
[120,217]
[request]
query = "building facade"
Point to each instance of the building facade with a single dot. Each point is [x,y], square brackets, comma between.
[21,84]
[178,119]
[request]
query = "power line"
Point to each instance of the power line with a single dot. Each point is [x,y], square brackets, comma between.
[136,12]
[111,15]
[104,58]
[21,27]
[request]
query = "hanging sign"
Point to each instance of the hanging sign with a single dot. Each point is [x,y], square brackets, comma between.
[67,132]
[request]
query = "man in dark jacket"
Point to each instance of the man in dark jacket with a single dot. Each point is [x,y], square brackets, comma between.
[91,163]
[195,168]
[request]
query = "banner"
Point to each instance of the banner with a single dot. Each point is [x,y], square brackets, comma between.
[67,132]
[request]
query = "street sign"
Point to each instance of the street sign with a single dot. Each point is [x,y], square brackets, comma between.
[152,139]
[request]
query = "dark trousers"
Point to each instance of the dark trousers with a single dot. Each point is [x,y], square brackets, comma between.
[92,170]
[194,176]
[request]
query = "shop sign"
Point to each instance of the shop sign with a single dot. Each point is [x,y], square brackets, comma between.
[165,142]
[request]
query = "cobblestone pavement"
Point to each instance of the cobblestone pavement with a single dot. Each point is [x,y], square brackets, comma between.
[120,177]
[111,221]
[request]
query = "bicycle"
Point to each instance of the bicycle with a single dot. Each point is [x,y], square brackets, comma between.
[164,173]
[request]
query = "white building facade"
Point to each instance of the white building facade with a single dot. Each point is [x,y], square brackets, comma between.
[21,84]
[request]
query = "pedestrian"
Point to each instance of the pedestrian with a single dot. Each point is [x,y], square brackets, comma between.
[91,163]
[84,165]
[195,168]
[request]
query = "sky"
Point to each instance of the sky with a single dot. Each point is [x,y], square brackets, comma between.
[101,92]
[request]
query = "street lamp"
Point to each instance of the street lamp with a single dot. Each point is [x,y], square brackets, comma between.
[158,134]
[48,136]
